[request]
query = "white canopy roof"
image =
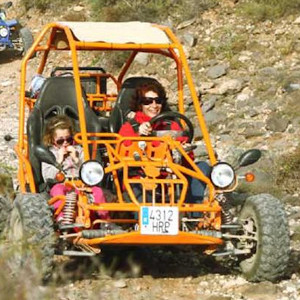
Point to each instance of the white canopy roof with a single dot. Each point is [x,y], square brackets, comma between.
[119,33]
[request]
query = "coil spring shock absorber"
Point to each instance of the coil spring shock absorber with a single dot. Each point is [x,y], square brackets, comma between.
[226,214]
[69,208]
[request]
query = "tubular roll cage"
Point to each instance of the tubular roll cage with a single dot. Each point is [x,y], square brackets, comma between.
[52,37]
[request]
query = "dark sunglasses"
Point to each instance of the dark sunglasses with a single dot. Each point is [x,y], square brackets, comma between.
[60,141]
[149,100]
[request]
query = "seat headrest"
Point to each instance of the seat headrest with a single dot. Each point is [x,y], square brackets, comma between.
[58,96]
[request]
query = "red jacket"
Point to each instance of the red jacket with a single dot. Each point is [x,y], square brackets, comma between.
[128,130]
[140,117]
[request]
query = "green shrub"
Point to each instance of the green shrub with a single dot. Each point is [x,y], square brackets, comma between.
[148,10]
[45,4]
[112,61]
[261,10]
[226,44]
[288,174]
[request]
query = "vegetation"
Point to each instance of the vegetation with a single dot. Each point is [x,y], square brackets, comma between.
[174,10]
[111,61]
[226,44]
[289,172]
[148,10]
[45,4]
[135,10]
[261,10]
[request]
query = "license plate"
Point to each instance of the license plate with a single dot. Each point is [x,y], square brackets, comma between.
[159,220]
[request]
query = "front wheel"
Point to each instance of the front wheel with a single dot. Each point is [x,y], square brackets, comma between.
[31,235]
[264,219]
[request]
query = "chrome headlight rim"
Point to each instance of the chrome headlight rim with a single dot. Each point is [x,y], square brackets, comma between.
[4,32]
[91,172]
[222,175]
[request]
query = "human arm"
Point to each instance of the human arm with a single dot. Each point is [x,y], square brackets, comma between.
[75,153]
[49,171]
[61,154]
[139,125]
[127,130]
[142,129]
[167,118]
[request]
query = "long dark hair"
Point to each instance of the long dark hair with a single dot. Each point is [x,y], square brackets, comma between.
[143,89]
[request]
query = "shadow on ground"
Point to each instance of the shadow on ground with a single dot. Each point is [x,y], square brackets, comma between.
[8,56]
[128,262]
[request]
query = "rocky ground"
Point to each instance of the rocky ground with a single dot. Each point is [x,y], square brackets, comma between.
[248,75]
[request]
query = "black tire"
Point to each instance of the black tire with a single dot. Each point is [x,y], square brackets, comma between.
[263,216]
[31,235]
[27,39]
[5,210]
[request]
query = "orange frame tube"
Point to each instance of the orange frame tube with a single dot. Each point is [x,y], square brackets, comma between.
[182,67]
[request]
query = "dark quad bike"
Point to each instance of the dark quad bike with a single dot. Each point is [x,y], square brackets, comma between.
[12,35]
[147,210]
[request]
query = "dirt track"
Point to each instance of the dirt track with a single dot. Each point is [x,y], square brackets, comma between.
[9,91]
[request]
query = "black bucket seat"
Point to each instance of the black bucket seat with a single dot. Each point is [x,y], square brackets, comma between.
[57,97]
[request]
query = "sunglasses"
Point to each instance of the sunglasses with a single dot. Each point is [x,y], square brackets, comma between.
[60,141]
[150,100]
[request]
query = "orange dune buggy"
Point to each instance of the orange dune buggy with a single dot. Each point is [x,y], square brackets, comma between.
[252,231]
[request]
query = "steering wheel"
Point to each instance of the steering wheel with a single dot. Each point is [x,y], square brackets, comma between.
[174,116]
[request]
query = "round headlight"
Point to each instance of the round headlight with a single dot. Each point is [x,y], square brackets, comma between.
[222,175]
[91,172]
[3,32]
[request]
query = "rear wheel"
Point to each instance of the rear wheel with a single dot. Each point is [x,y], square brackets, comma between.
[265,223]
[31,235]
[27,39]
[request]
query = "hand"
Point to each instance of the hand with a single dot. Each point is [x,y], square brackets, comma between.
[62,154]
[73,153]
[145,128]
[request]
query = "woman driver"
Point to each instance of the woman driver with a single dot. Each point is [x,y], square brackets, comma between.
[150,100]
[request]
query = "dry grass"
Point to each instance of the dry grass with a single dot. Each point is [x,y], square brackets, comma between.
[288,173]
[54,5]
[227,45]
[261,10]
[21,286]
[149,10]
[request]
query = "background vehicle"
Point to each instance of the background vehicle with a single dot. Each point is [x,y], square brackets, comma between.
[252,231]
[12,35]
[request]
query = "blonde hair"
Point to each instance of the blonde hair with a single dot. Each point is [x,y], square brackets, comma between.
[57,122]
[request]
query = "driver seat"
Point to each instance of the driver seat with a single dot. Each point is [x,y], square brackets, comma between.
[121,109]
[57,97]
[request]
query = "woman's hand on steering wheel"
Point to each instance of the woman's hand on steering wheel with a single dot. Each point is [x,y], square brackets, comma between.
[145,128]
[175,117]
